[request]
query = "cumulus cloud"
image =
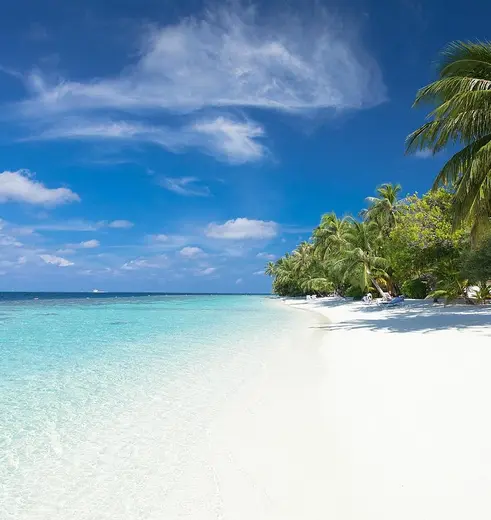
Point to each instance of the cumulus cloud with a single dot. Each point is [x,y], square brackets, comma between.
[56,260]
[242,228]
[191,252]
[20,186]
[120,224]
[187,186]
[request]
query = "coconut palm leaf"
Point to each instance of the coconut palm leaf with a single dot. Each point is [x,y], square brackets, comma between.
[462,116]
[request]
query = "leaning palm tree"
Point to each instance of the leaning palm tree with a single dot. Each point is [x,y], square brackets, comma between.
[359,260]
[384,208]
[461,117]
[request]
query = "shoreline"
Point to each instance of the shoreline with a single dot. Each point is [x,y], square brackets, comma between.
[341,411]
[406,397]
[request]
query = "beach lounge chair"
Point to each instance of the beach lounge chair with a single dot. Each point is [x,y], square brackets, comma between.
[394,301]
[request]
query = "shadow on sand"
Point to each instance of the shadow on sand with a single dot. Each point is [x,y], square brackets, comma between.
[415,317]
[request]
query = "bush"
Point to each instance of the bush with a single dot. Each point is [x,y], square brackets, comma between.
[417,289]
[477,262]
[354,292]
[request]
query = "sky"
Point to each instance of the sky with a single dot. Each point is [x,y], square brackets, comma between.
[179,146]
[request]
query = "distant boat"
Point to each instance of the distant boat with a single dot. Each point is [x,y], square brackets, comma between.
[97,291]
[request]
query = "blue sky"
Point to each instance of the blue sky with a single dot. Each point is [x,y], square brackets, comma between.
[177,146]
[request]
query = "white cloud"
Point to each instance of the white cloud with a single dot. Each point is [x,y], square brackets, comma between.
[167,242]
[22,231]
[20,186]
[225,138]
[78,225]
[156,262]
[205,272]
[191,252]
[65,251]
[120,224]
[56,260]
[231,58]
[266,256]
[239,281]
[233,140]
[258,273]
[89,244]
[242,228]
[224,60]
[68,225]
[7,240]
[186,186]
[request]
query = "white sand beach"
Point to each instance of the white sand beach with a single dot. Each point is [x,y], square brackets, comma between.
[406,399]
[365,413]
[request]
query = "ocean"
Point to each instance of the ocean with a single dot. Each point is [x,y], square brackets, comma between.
[103,397]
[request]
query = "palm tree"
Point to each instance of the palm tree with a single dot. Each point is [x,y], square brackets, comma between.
[328,237]
[270,269]
[359,260]
[384,208]
[462,117]
[303,257]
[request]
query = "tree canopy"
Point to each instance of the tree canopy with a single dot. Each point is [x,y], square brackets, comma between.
[399,245]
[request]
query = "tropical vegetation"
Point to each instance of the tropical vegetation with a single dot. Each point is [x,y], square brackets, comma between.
[436,245]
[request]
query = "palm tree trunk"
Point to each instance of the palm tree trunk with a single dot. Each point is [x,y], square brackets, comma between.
[377,286]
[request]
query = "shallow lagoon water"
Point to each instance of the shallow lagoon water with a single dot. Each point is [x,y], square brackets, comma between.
[100,395]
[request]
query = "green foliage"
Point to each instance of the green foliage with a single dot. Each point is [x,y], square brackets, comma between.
[358,257]
[417,289]
[384,209]
[424,242]
[451,289]
[430,244]
[477,262]
[413,248]
[354,292]
[483,292]
[462,116]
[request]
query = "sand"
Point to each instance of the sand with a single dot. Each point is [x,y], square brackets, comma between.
[406,400]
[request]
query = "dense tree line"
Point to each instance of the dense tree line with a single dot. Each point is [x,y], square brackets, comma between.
[435,245]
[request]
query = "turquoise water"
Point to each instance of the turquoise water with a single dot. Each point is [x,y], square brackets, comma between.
[88,385]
